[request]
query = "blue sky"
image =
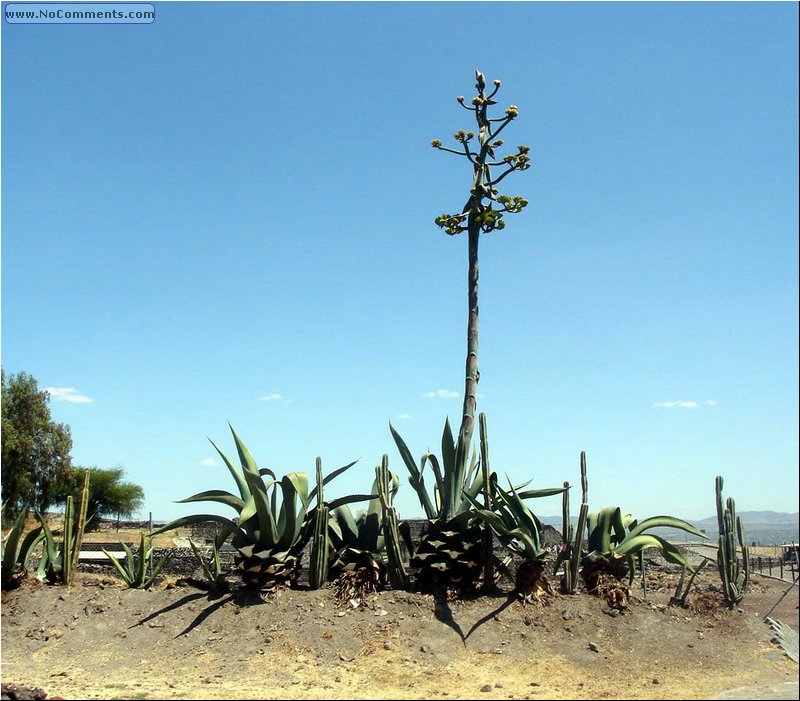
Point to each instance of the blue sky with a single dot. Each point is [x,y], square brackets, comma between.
[227,215]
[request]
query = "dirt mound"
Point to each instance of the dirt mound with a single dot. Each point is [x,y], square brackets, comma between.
[98,640]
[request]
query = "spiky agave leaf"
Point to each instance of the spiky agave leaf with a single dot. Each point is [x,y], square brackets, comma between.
[16,555]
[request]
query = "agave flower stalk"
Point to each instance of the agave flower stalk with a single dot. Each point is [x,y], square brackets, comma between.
[482,213]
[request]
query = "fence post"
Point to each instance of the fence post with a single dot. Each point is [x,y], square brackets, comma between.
[769,565]
[150,539]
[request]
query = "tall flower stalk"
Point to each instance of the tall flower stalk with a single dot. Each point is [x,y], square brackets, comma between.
[482,213]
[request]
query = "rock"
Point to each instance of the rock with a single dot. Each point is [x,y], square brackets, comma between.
[387,645]
[22,693]
[487,687]
[656,680]
[207,680]
[498,685]
[535,684]
[424,648]
[593,647]
[566,615]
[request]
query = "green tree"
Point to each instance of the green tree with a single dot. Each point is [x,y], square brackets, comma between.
[108,494]
[36,450]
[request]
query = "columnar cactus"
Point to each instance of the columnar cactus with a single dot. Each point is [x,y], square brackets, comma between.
[573,538]
[386,484]
[735,577]
[321,544]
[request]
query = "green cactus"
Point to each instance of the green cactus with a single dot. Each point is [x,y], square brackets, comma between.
[735,577]
[321,543]
[571,554]
[386,486]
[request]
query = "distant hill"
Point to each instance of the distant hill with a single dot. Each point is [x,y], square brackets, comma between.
[756,517]
[761,527]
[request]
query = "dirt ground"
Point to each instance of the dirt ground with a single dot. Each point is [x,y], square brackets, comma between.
[98,640]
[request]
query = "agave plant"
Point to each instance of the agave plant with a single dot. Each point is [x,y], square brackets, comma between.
[613,541]
[358,556]
[60,558]
[450,553]
[17,551]
[134,569]
[359,559]
[519,530]
[269,533]
[212,570]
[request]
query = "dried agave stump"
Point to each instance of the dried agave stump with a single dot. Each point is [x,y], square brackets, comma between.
[606,579]
[532,583]
[361,576]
